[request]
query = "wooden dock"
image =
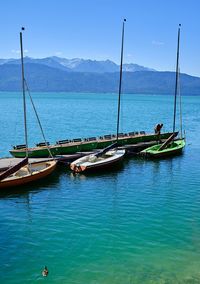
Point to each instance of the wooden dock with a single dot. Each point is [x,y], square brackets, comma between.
[133,149]
[6,163]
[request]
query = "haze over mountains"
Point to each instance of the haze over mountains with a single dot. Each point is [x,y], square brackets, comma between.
[80,75]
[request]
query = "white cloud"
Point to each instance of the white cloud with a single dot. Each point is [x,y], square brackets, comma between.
[57,53]
[17,51]
[155,42]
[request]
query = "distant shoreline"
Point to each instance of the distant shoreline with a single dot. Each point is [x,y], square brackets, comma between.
[42,78]
[101,93]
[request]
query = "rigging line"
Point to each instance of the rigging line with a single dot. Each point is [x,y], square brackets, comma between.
[180,104]
[121,125]
[176,84]
[38,119]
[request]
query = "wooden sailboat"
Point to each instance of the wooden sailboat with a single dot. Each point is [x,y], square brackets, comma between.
[111,155]
[24,172]
[170,147]
[28,174]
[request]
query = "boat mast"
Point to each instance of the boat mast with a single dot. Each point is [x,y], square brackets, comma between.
[177,76]
[120,79]
[23,90]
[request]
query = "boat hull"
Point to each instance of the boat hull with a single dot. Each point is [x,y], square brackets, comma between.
[86,147]
[42,152]
[99,166]
[176,148]
[72,148]
[35,176]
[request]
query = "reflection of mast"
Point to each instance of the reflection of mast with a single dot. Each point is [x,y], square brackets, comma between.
[120,79]
[176,84]
[28,208]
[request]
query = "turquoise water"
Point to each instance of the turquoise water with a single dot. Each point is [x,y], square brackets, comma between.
[138,224]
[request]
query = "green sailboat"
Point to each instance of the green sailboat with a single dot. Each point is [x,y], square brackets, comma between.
[170,147]
[173,148]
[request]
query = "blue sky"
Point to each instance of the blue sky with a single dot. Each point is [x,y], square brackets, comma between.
[92,29]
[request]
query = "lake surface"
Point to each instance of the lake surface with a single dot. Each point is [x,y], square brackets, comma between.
[138,224]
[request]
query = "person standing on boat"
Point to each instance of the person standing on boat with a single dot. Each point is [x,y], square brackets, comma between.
[157,130]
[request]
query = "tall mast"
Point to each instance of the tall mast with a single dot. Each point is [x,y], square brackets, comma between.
[23,90]
[120,79]
[177,75]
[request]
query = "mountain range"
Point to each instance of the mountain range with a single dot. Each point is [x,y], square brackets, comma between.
[78,64]
[78,75]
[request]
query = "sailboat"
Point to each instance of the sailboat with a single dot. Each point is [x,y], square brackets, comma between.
[24,172]
[111,155]
[170,147]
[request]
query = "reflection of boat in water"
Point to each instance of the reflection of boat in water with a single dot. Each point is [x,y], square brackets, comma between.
[111,155]
[25,172]
[170,147]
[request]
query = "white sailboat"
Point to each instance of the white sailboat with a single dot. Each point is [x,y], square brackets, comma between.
[111,155]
